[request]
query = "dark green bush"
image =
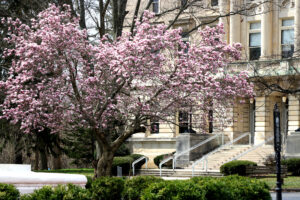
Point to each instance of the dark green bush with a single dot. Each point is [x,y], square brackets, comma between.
[123,150]
[88,184]
[159,158]
[233,188]
[124,162]
[107,188]
[174,190]
[236,167]
[293,165]
[8,192]
[61,192]
[134,187]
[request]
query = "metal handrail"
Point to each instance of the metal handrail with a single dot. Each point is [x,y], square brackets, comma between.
[196,146]
[175,156]
[204,158]
[251,149]
[163,162]
[138,160]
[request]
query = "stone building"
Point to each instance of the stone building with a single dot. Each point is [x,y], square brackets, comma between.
[270,35]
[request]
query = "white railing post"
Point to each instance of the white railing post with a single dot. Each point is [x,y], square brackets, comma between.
[138,160]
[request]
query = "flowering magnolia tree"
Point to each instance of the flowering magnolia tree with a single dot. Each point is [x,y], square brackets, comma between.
[61,81]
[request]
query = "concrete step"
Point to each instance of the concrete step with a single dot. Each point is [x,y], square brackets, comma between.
[177,173]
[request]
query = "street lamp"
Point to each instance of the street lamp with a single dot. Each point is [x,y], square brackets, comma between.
[277,148]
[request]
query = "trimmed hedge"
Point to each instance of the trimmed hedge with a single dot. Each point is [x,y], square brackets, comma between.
[107,188]
[293,165]
[159,158]
[174,190]
[153,188]
[61,192]
[233,188]
[124,162]
[236,167]
[136,185]
[8,192]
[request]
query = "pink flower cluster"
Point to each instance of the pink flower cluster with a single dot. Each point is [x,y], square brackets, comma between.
[58,79]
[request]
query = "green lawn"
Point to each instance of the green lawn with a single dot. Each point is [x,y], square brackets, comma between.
[83,171]
[290,182]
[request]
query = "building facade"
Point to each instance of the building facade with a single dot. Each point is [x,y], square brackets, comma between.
[270,35]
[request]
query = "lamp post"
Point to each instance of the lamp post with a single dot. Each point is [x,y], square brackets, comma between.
[277,148]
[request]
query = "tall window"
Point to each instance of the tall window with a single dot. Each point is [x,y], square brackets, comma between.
[155,6]
[214,2]
[154,125]
[287,38]
[254,41]
[185,39]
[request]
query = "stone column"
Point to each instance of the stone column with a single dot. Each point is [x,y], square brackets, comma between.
[224,7]
[260,119]
[293,114]
[275,34]
[266,31]
[297,28]
[235,22]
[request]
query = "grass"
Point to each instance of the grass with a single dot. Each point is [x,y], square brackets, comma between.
[291,182]
[83,171]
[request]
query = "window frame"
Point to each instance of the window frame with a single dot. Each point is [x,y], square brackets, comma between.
[154,122]
[251,31]
[158,6]
[213,1]
[282,28]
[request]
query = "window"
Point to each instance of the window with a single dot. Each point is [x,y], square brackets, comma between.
[254,41]
[155,6]
[185,39]
[214,2]
[185,122]
[154,125]
[287,38]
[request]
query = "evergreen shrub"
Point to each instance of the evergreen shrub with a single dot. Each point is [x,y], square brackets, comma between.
[61,192]
[124,162]
[135,186]
[236,167]
[233,188]
[8,192]
[107,188]
[293,165]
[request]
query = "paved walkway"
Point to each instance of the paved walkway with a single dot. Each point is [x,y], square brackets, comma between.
[287,195]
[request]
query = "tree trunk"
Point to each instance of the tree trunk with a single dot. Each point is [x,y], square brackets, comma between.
[104,164]
[44,159]
[36,159]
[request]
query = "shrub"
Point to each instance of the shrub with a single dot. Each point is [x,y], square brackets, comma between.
[159,158]
[174,190]
[61,192]
[8,192]
[236,167]
[233,188]
[124,162]
[123,150]
[107,188]
[88,184]
[293,165]
[134,187]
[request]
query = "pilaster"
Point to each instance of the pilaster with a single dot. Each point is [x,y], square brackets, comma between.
[224,7]
[293,114]
[260,119]
[297,28]
[266,31]
[235,22]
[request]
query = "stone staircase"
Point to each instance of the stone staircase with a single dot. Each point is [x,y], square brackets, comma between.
[215,160]
[259,155]
[176,173]
[222,156]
